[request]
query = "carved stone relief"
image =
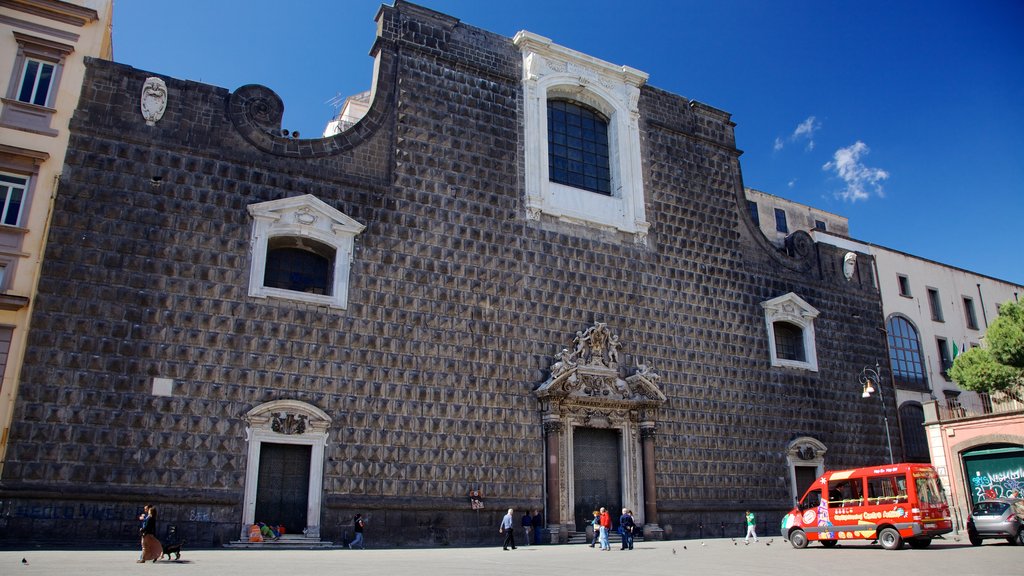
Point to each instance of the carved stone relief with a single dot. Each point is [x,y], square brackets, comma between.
[154,100]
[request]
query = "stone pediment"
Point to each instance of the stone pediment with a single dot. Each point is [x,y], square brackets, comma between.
[590,374]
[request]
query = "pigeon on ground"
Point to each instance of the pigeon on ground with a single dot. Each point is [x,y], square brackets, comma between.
[673,550]
[23,561]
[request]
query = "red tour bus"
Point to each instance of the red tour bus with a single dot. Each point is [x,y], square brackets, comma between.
[890,503]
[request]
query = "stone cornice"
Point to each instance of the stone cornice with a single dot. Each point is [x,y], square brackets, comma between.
[54,10]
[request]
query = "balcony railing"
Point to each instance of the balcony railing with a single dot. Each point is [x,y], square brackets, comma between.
[971,405]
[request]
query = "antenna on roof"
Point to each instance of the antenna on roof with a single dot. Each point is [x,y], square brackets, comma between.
[336,101]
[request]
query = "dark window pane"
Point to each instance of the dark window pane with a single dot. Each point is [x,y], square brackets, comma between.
[29,81]
[298,270]
[905,354]
[580,158]
[789,341]
[43,88]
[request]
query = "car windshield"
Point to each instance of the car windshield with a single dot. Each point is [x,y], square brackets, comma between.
[990,508]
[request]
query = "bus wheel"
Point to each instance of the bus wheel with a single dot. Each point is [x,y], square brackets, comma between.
[890,539]
[798,539]
[829,543]
[919,543]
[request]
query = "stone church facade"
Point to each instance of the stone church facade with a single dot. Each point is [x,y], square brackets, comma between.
[239,325]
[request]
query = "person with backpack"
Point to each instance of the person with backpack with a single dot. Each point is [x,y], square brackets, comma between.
[358,525]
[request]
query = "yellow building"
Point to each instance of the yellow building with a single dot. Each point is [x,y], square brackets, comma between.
[43,46]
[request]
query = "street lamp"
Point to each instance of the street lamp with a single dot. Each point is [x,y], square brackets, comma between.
[869,379]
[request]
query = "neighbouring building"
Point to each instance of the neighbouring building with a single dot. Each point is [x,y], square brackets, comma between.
[932,313]
[525,278]
[43,47]
[778,218]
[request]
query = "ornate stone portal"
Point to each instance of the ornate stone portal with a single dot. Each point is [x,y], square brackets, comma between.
[289,422]
[586,391]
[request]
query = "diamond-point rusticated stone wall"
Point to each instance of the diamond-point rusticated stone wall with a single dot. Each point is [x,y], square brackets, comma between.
[458,304]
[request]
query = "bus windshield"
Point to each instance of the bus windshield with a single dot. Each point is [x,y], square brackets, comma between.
[929,489]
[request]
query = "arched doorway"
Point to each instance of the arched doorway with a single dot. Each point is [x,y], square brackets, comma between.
[600,432]
[806,458]
[284,470]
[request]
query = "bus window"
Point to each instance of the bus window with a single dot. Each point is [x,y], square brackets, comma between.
[811,500]
[887,490]
[845,493]
[928,490]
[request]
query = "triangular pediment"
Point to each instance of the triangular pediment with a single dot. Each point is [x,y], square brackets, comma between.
[305,212]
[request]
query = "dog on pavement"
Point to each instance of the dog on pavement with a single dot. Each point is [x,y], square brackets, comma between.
[174,549]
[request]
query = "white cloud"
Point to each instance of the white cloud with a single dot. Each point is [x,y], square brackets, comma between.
[860,180]
[803,131]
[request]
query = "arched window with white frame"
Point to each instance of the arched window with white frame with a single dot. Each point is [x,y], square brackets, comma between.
[789,320]
[301,250]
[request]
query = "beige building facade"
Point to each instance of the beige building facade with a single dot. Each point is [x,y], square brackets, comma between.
[43,47]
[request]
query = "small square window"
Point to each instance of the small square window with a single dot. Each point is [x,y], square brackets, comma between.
[36,78]
[935,303]
[904,284]
[945,360]
[12,196]
[969,314]
[780,221]
[752,206]
[819,225]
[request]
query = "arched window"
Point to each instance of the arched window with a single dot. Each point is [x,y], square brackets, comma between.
[789,320]
[582,163]
[299,264]
[915,440]
[578,146]
[301,250]
[905,354]
[789,342]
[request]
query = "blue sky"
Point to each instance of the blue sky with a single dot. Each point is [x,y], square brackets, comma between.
[905,117]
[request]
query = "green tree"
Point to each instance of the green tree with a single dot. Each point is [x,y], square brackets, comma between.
[999,365]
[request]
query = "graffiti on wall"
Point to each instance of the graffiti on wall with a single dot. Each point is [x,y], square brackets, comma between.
[1007,483]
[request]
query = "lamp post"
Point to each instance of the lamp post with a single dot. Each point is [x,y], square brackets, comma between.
[869,379]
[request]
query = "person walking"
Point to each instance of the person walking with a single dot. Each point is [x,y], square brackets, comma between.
[527,524]
[751,528]
[627,526]
[508,530]
[357,526]
[596,525]
[538,524]
[151,547]
[606,526]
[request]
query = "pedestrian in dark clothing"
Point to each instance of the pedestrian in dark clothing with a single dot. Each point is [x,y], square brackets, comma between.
[527,524]
[627,526]
[358,525]
[538,524]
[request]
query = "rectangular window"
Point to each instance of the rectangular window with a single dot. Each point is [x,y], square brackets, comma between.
[969,315]
[819,225]
[904,283]
[944,358]
[935,304]
[780,221]
[752,206]
[35,82]
[12,194]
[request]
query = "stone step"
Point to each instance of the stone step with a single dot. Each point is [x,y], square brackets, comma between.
[285,542]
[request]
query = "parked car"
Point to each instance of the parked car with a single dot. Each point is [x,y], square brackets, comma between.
[997,518]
